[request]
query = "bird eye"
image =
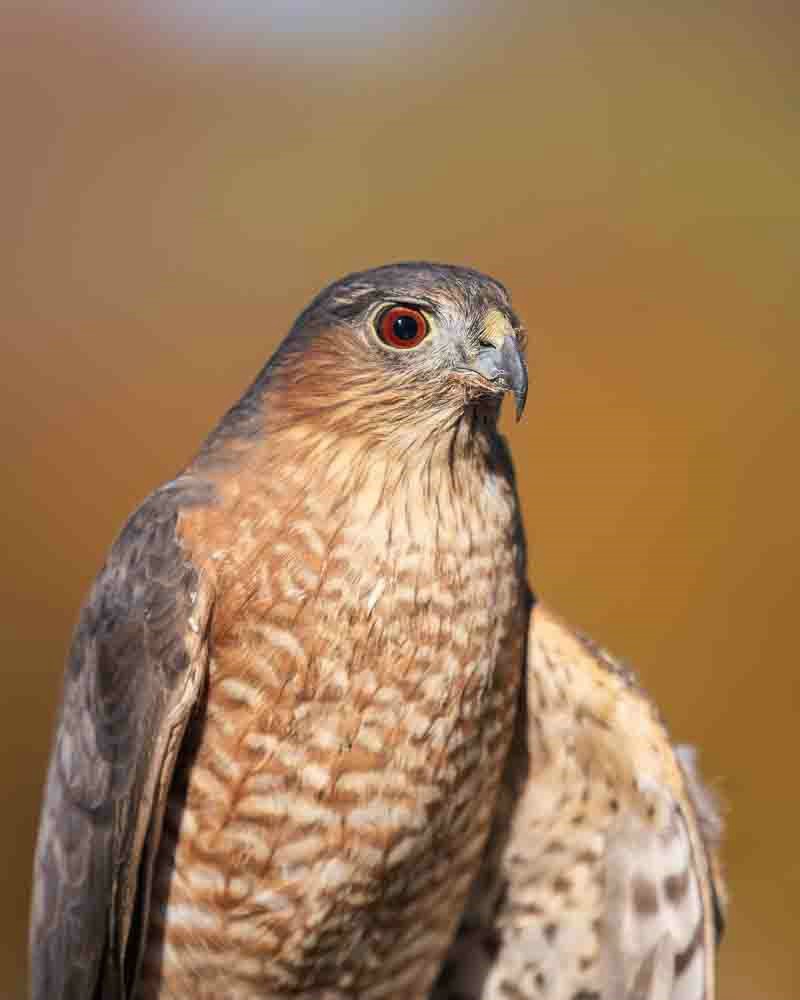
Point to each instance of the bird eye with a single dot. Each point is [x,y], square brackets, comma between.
[403,327]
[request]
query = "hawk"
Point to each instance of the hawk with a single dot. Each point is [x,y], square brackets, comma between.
[313,717]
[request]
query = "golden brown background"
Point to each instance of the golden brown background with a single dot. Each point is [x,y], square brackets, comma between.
[174,186]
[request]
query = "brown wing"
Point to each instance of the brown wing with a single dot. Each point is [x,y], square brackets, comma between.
[600,880]
[134,672]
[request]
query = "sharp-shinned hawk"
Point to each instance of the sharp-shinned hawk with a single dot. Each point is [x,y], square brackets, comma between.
[317,738]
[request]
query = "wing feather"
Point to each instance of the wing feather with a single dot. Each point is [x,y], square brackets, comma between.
[134,673]
[596,803]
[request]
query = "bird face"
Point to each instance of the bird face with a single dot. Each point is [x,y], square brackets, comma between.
[423,336]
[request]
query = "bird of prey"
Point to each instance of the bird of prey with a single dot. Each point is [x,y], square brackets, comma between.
[318,739]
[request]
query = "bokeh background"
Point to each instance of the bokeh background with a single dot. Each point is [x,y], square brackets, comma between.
[177,178]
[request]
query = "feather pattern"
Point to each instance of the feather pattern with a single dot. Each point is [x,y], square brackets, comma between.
[602,880]
[135,670]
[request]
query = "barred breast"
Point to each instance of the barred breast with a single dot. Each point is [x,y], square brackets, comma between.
[336,792]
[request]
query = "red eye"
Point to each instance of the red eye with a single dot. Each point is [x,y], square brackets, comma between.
[402,327]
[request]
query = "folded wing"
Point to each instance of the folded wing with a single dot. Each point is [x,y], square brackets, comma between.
[601,880]
[135,670]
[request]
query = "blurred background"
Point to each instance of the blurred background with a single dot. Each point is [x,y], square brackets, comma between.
[178,178]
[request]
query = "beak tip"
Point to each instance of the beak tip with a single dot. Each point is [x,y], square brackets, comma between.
[505,367]
[517,373]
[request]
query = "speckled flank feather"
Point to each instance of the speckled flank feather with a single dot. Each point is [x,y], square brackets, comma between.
[600,888]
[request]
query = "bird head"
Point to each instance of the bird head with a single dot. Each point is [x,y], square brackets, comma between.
[405,342]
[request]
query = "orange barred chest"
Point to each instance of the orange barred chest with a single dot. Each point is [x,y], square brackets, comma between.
[323,832]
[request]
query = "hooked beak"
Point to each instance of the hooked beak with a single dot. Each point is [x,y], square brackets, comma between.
[502,362]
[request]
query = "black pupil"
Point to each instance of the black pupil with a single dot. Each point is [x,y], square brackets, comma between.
[405,327]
